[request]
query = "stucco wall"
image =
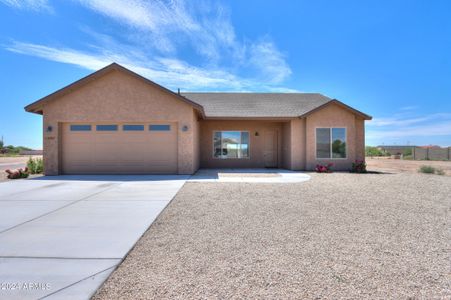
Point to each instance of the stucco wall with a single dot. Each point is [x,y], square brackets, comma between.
[359,139]
[196,141]
[256,160]
[298,144]
[118,97]
[333,116]
[286,145]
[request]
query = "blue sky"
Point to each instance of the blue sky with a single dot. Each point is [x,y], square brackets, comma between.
[390,59]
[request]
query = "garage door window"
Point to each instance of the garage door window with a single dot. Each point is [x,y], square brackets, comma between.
[133,127]
[106,127]
[80,127]
[159,127]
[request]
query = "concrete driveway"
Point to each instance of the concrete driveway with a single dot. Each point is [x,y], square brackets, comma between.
[61,237]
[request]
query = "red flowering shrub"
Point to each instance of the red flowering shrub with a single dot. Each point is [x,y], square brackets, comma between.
[16,174]
[359,166]
[324,168]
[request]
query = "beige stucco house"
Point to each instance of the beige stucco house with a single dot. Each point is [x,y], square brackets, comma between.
[115,121]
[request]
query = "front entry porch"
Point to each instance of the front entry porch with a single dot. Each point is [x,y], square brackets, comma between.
[243,144]
[249,175]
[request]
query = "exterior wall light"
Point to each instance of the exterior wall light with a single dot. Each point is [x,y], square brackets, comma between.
[49,128]
[256,133]
[185,128]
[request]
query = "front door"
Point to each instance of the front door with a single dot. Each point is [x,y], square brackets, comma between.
[270,148]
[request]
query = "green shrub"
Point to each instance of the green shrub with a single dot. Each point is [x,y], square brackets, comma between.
[427,169]
[359,166]
[374,151]
[407,152]
[439,172]
[35,166]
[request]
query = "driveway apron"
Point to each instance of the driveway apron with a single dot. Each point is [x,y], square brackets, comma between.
[62,236]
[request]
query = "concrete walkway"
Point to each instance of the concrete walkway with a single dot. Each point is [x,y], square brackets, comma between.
[61,237]
[249,175]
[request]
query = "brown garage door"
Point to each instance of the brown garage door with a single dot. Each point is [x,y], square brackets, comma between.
[119,148]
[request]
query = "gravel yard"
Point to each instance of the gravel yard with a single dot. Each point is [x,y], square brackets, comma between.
[336,236]
[400,165]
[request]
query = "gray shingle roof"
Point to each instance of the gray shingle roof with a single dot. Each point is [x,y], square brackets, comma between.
[279,105]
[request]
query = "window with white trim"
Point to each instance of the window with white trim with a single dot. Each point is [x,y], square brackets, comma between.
[330,143]
[231,144]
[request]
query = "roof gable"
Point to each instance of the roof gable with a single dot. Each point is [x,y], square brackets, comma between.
[36,107]
[342,105]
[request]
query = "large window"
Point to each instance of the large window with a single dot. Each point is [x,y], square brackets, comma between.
[330,143]
[231,144]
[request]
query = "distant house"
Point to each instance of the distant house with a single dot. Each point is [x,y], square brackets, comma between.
[31,152]
[430,147]
[115,121]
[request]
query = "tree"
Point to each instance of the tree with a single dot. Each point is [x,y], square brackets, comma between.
[408,152]
[373,151]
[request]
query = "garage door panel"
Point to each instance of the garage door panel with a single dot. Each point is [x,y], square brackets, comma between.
[119,152]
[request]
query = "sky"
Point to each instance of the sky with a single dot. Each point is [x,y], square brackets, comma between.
[389,59]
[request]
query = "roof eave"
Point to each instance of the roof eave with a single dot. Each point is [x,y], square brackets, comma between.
[263,118]
[338,102]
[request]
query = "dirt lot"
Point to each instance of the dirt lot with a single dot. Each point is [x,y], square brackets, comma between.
[337,236]
[12,162]
[410,166]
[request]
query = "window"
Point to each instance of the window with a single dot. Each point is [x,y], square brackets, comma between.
[330,142]
[133,127]
[80,127]
[106,127]
[159,127]
[231,144]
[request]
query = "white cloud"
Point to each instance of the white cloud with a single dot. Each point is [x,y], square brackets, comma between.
[159,33]
[60,55]
[167,23]
[168,26]
[36,5]
[268,59]
[156,18]
[394,122]
[399,121]
[433,129]
[411,107]
[169,72]
[403,126]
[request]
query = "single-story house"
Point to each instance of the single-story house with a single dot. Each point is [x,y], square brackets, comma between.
[115,121]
